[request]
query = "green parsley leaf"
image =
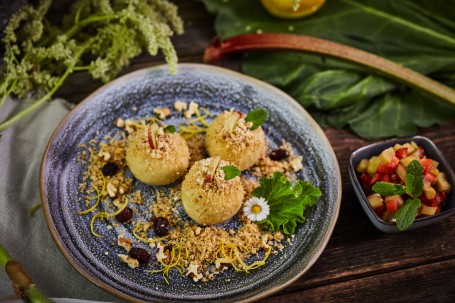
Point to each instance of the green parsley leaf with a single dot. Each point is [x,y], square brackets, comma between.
[230,172]
[169,129]
[257,117]
[287,202]
[406,215]
[388,189]
[414,179]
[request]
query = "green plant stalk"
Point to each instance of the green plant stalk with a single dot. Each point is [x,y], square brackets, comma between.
[38,103]
[80,24]
[4,257]
[21,281]
[47,96]
[290,42]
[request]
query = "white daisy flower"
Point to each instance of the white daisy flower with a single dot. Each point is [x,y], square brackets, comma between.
[256,209]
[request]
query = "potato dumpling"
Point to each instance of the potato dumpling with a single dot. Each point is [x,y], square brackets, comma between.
[157,157]
[230,137]
[206,196]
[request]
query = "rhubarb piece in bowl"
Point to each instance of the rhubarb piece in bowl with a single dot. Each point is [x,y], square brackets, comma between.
[379,175]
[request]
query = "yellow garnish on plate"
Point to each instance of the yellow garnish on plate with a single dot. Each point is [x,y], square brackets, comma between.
[174,262]
[97,197]
[104,215]
[193,127]
[229,253]
[146,240]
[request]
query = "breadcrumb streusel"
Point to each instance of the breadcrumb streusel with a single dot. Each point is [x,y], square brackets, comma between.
[199,252]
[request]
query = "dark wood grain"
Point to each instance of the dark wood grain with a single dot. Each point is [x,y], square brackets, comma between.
[359,263]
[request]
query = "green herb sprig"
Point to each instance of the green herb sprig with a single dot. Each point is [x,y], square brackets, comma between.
[39,56]
[230,172]
[287,202]
[257,117]
[406,215]
[169,129]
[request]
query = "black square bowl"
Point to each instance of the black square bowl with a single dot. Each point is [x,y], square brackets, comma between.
[374,150]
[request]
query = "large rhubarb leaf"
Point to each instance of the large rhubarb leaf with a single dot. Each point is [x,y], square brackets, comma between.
[418,34]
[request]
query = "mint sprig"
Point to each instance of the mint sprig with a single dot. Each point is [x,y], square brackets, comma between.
[388,189]
[406,215]
[230,172]
[169,129]
[287,202]
[257,117]
[414,179]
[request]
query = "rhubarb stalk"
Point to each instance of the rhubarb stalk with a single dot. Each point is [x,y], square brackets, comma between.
[22,283]
[267,42]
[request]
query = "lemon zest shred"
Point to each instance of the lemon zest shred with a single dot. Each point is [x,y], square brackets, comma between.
[145,240]
[97,197]
[202,118]
[172,263]
[191,128]
[260,263]
[229,253]
[104,215]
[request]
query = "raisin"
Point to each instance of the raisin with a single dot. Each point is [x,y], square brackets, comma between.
[109,169]
[161,226]
[125,215]
[140,254]
[279,154]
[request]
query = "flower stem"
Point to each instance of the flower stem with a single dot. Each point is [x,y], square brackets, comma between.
[38,103]
[22,283]
[79,25]
[266,42]
[4,256]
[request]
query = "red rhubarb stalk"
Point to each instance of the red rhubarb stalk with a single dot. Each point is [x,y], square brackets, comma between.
[269,42]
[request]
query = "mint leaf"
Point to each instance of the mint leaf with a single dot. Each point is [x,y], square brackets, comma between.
[230,172]
[287,202]
[414,179]
[406,215]
[169,129]
[388,189]
[257,117]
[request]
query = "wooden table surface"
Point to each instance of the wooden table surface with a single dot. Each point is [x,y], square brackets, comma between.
[360,263]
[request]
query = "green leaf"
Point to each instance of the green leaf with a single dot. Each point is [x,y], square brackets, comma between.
[287,202]
[406,215]
[414,179]
[230,172]
[341,94]
[257,117]
[388,189]
[169,129]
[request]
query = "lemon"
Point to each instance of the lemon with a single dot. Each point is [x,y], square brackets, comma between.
[292,9]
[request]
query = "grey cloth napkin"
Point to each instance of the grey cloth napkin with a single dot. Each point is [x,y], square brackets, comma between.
[27,238]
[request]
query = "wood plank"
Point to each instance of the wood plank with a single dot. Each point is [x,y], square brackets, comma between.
[395,286]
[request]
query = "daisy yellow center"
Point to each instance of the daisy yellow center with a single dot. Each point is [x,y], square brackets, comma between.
[256,209]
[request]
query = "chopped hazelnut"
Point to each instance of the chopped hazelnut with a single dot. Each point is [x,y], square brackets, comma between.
[192,109]
[119,122]
[162,112]
[180,106]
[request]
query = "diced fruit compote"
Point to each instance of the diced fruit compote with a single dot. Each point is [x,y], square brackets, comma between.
[391,166]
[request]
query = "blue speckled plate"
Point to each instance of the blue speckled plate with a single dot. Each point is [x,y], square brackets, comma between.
[134,96]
